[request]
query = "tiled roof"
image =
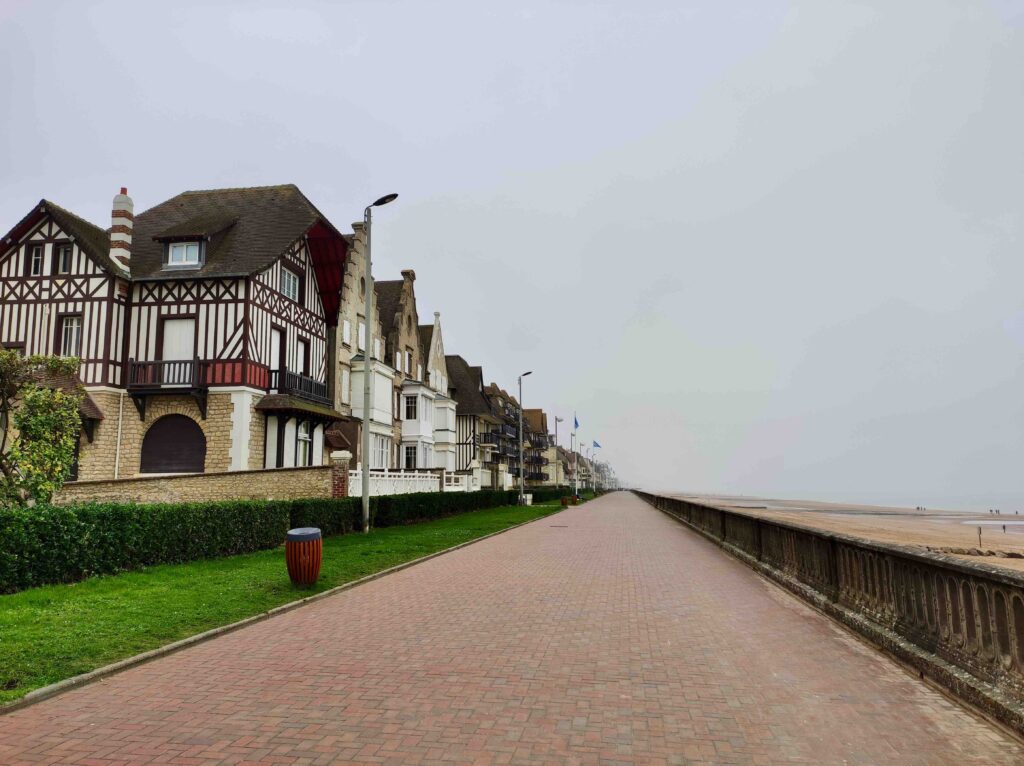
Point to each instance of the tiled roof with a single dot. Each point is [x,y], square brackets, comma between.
[536,420]
[93,240]
[466,383]
[389,298]
[88,407]
[426,335]
[287,403]
[248,228]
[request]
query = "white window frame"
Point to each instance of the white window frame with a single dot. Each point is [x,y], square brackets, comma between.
[290,283]
[414,402]
[410,450]
[68,250]
[73,321]
[408,362]
[304,443]
[376,348]
[346,333]
[183,254]
[35,260]
[362,336]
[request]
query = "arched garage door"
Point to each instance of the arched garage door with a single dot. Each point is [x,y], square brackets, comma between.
[174,444]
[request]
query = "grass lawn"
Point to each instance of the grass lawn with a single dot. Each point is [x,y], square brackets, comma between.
[54,632]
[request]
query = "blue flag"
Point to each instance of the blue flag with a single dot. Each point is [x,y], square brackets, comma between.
[597,446]
[575,421]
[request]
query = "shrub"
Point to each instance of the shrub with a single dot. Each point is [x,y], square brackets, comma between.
[53,544]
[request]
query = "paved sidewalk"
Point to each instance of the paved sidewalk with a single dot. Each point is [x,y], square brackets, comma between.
[605,634]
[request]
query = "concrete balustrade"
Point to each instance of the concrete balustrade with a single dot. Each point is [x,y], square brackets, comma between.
[955,621]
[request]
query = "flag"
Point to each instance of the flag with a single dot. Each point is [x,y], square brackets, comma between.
[597,446]
[575,421]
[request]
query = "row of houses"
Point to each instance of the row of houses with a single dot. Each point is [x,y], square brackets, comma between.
[224,330]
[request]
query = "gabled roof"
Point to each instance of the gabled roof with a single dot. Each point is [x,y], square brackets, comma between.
[466,385]
[536,420]
[87,408]
[248,229]
[389,299]
[93,240]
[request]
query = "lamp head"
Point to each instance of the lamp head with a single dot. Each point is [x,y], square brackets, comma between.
[526,373]
[384,200]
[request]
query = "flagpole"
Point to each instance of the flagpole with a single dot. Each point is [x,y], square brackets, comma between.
[575,458]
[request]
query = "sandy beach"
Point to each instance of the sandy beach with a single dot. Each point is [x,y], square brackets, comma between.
[945,530]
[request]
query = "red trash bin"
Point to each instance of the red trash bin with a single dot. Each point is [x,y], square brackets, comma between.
[303,550]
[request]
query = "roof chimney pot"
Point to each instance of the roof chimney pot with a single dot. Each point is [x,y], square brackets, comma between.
[122,221]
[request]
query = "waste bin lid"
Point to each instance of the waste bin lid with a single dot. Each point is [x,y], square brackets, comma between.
[303,534]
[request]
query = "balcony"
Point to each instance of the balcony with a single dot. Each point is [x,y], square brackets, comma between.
[536,460]
[491,438]
[194,377]
[302,386]
[536,477]
[168,376]
[506,430]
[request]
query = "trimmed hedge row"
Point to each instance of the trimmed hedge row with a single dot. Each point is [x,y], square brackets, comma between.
[54,544]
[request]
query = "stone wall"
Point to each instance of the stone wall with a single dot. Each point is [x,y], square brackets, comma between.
[274,484]
[959,623]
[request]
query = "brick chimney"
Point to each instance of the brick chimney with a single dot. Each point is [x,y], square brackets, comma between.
[121,223]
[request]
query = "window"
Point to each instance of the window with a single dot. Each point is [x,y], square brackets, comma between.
[62,259]
[376,348]
[362,336]
[419,372]
[346,386]
[346,333]
[398,361]
[290,285]
[35,261]
[380,452]
[410,457]
[302,357]
[183,254]
[410,407]
[304,444]
[408,362]
[71,335]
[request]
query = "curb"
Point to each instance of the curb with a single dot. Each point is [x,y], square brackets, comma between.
[83,679]
[981,698]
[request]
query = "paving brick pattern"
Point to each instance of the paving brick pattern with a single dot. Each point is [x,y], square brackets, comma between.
[607,634]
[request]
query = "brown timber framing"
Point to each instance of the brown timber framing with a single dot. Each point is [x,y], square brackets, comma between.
[956,623]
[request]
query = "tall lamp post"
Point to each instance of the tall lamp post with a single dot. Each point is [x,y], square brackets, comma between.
[367,344]
[522,465]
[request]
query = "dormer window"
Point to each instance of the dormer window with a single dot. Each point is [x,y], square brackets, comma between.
[184,254]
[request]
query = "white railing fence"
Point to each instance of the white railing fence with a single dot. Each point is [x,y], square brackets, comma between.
[393,482]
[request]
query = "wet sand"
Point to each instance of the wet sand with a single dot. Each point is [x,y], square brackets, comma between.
[950,531]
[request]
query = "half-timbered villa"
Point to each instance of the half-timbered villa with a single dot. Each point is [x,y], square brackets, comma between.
[205,326]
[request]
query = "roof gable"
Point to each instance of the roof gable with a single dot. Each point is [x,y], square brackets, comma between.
[93,241]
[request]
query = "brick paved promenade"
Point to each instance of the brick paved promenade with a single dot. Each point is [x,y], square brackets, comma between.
[606,634]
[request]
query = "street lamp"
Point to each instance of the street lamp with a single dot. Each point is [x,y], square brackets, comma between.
[367,344]
[522,465]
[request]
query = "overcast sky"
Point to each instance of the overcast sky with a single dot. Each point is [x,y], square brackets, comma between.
[767,248]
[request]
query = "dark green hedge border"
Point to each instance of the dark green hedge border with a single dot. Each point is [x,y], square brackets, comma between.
[60,544]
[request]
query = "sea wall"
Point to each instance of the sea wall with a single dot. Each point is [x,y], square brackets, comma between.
[957,623]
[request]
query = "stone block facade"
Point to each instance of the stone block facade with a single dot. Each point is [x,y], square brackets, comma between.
[103,458]
[273,484]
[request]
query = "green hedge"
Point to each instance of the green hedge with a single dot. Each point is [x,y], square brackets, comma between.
[53,544]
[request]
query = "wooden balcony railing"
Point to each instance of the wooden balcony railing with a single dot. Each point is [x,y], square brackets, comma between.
[302,386]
